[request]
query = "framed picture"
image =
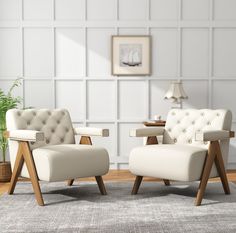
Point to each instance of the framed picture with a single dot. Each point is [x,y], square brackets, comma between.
[131,55]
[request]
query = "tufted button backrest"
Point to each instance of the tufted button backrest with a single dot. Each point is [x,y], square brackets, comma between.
[56,124]
[182,124]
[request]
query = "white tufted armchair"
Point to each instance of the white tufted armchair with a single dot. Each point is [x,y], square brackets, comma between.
[45,140]
[195,147]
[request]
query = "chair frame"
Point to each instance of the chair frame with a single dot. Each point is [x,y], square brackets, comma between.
[24,155]
[213,155]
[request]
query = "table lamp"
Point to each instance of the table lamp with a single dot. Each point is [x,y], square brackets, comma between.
[176,93]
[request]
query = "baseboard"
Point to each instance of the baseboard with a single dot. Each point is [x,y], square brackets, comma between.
[231,166]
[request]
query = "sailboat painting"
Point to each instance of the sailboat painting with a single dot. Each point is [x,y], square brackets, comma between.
[130,55]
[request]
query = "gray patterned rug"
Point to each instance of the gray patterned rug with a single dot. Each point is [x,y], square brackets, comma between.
[81,208]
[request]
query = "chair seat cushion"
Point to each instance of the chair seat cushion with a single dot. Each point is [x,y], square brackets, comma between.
[172,161]
[69,161]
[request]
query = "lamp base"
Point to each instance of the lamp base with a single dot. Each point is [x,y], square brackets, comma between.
[179,105]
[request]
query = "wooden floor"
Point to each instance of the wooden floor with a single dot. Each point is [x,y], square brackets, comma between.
[122,176]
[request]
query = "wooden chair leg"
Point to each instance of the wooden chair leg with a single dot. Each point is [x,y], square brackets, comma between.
[206,173]
[101,185]
[70,182]
[32,172]
[221,169]
[166,182]
[136,186]
[151,140]
[85,140]
[16,170]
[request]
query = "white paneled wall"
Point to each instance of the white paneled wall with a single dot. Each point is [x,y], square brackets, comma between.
[62,50]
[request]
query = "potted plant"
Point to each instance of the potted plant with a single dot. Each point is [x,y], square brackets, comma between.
[7,101]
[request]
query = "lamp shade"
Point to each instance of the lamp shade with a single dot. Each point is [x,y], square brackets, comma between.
[176,91]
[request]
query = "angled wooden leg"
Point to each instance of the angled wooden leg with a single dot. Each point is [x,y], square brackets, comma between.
[70,182]
[85,140]
[101,185]
[166,182]
[136,186]
[16,170]
[221,169]
[151,140]
[32,172]
[206,172]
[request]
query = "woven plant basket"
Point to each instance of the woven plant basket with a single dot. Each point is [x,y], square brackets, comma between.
[5,172]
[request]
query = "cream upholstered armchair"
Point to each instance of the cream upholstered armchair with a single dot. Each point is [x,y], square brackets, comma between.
[45,140]
[195,147]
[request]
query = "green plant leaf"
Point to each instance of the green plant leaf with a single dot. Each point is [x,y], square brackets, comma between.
[7,101]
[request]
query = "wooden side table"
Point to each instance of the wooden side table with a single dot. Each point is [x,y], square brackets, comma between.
[155,123]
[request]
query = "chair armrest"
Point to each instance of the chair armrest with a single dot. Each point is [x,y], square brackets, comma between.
[146,132]
[25,135]
[213,135]
[89,131]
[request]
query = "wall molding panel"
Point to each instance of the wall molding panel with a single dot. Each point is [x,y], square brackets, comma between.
[61,48]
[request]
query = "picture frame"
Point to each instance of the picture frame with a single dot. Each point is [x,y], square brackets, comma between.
[131,55]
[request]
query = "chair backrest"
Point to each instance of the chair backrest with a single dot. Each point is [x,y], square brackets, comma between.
[56,125]
[182,124]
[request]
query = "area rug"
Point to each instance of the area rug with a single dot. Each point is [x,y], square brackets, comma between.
[81,208]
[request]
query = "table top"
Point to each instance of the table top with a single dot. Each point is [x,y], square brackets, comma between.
[154,123]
